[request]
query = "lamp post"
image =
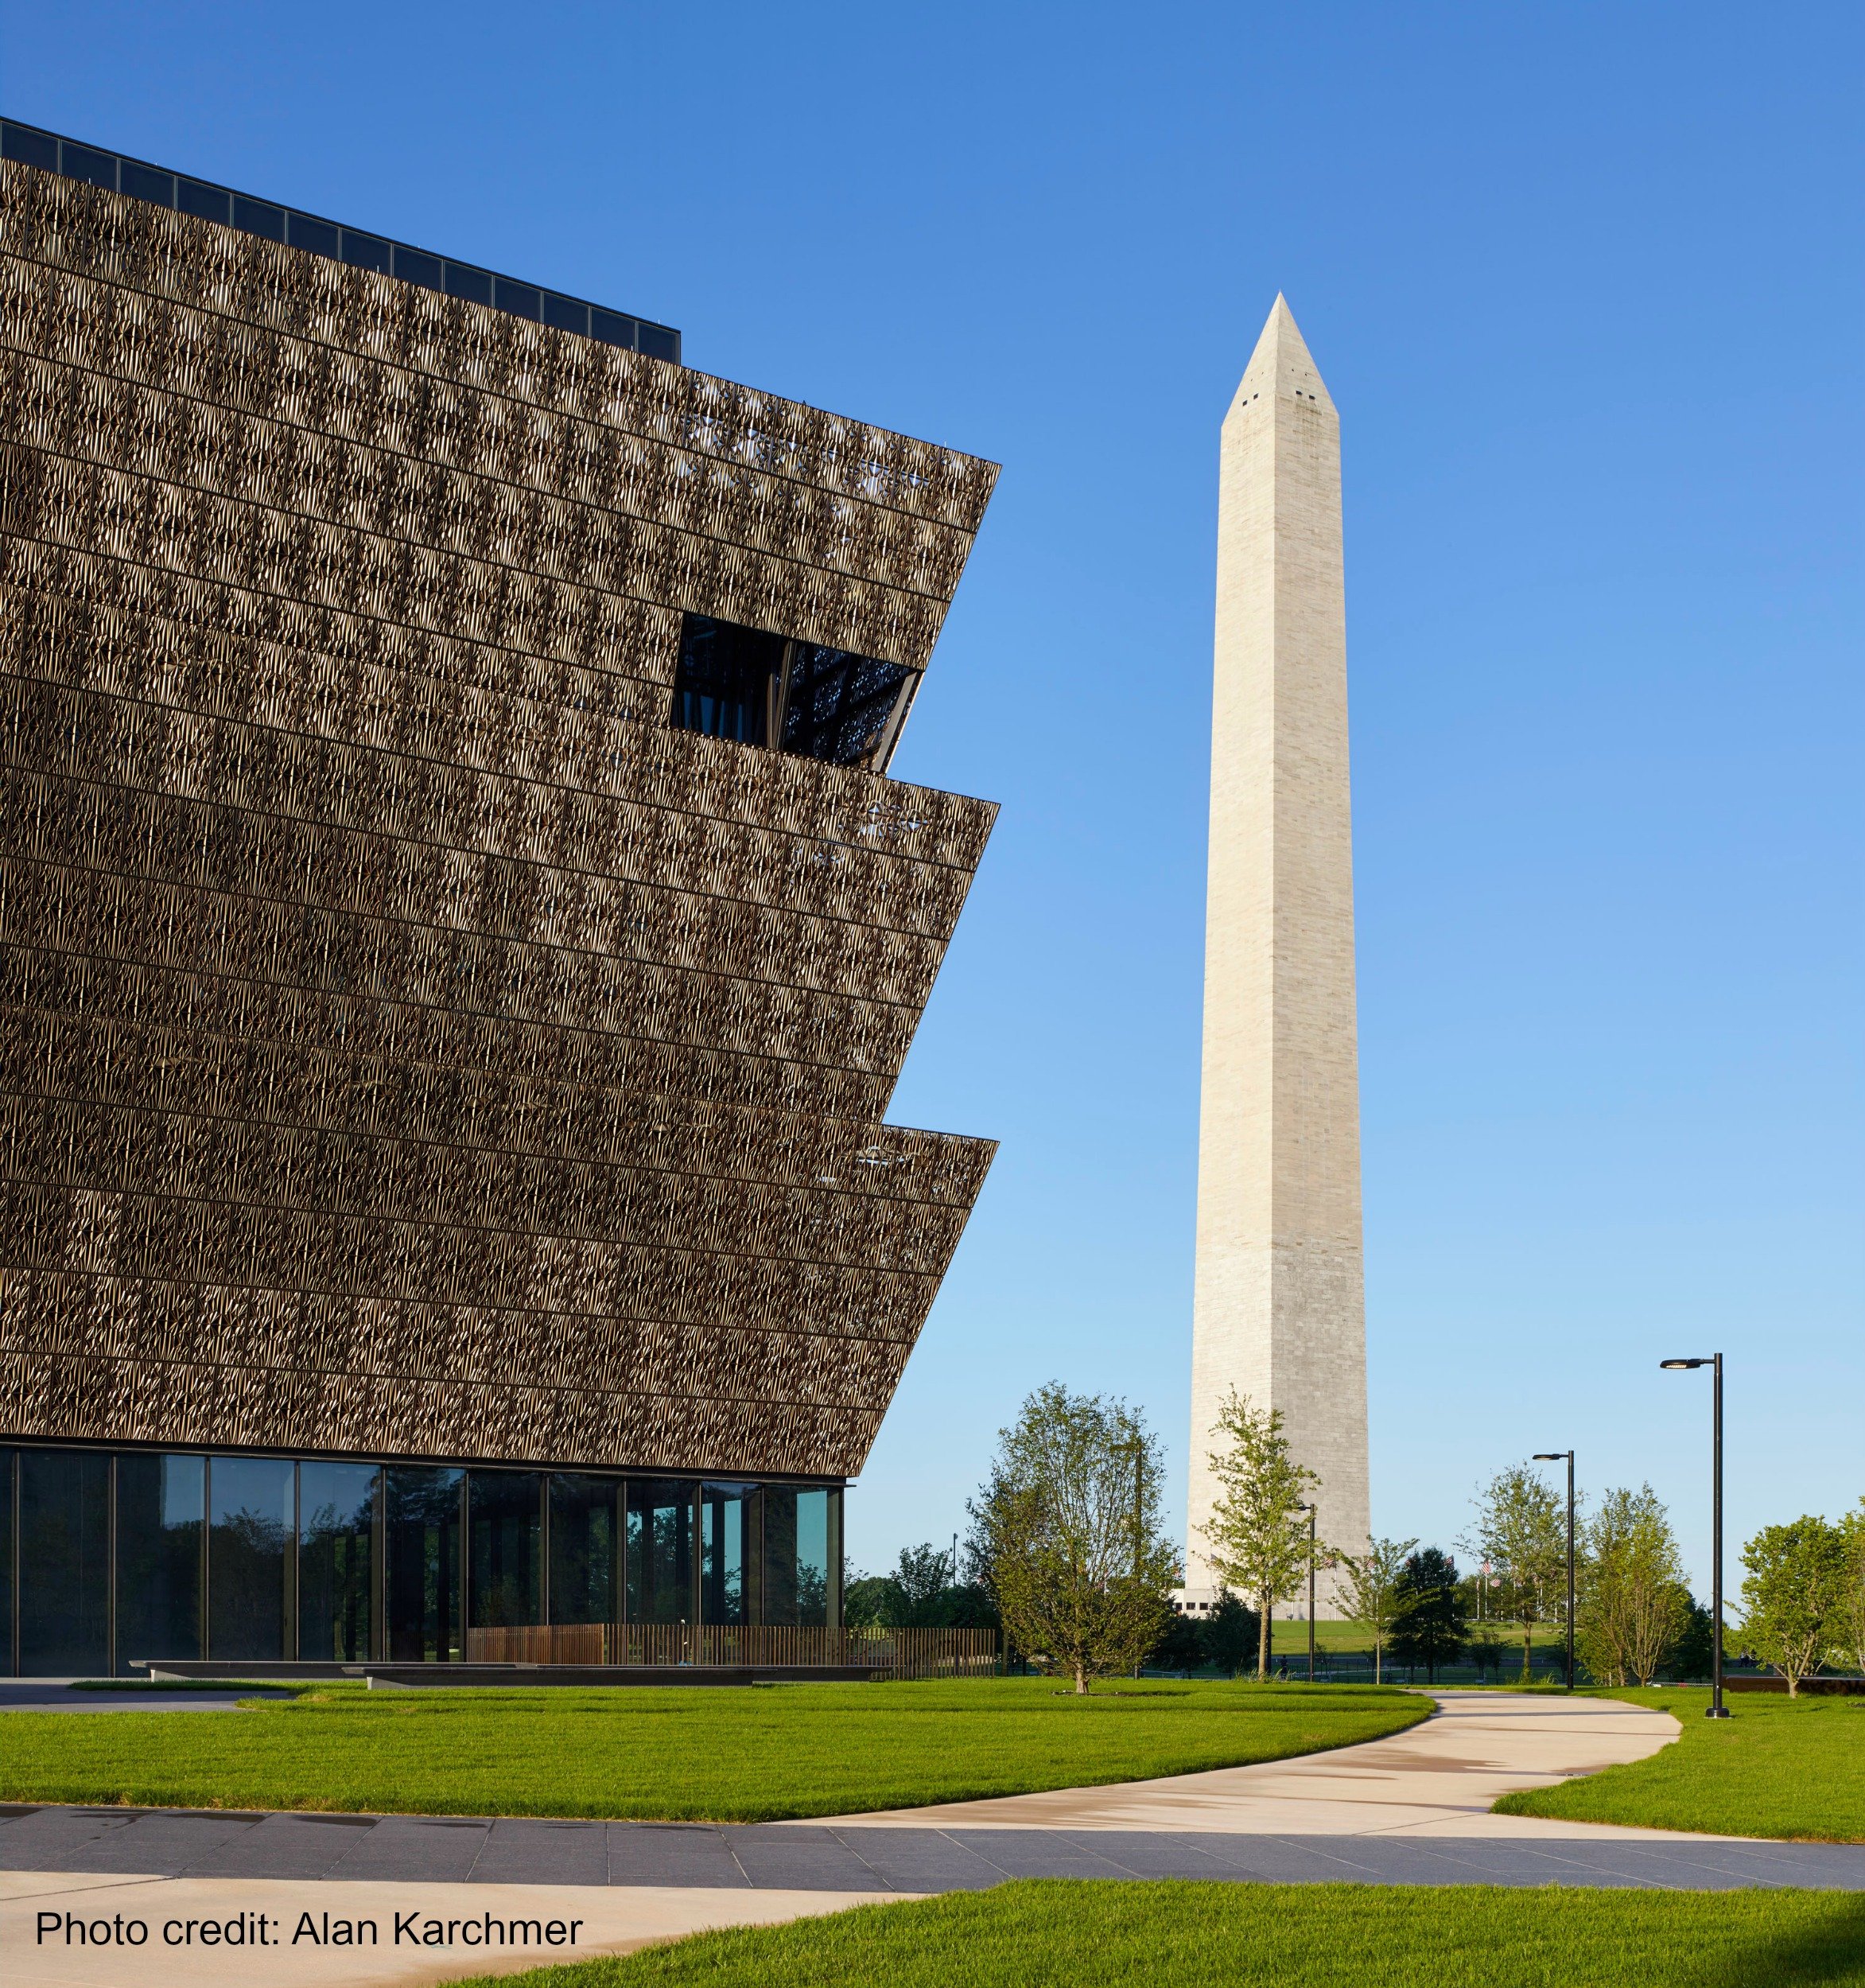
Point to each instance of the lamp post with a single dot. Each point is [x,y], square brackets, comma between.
[1555,1456]
[1310,1511]
[1714,1361]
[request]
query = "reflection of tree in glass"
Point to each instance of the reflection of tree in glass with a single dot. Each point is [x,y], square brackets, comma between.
[248,1579]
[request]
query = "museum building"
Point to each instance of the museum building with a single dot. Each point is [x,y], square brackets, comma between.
[458,939]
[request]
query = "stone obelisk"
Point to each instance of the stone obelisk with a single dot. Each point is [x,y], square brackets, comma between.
[1279,1312]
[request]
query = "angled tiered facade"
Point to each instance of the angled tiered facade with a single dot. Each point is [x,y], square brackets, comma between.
[458,941]
[1280,1303]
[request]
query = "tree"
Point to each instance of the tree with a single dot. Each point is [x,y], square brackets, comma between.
[1256,1539]
[1633,1602]
[1791,1599]
[1067,1529]
[1847,1645]
[1431,1624]
[1693,1655]
[1228,1634]
[1522,1528]
[1367,1591]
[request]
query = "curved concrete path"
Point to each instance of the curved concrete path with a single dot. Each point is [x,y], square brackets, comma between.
[1410,1810]
[1438,1778]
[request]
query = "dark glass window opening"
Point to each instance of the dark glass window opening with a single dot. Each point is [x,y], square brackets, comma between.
[761,689]
[727,1553]
[95,168]
[505,1524]
[422,1540]
[259,217]
[145,183]
[800,1555]
[204,203]
[64,1563]
[336,1560]
[251,1523]
[162,1520]
[585,1541]
[660,1551]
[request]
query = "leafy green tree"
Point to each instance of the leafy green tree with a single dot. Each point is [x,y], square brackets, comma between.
[1068,1527]
[1257,1539]
[1179,1647]
[1791,1598]
[1521,1530]
[1367,1587]
[1431,1625]
[1847,1645]
[1228,1634]
[1693,1655]
[1633,1604]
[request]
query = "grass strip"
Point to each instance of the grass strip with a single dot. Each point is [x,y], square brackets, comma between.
[681,1754]
[1781,1766]
[1071,1933]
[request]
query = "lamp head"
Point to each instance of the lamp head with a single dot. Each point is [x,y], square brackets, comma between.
[1549,1456]
[1680,1366]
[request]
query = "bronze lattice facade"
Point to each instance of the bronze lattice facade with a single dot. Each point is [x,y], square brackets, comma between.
[415,1043]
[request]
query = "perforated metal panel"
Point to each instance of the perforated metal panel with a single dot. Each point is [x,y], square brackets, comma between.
[409,1042]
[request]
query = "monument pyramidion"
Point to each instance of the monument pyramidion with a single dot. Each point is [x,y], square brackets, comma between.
[1280,1308]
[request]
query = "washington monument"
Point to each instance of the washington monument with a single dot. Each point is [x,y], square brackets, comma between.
[1279,1310]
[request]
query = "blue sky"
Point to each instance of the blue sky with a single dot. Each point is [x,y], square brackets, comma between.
[1584,282]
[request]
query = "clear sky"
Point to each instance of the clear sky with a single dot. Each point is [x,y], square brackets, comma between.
[1584,281]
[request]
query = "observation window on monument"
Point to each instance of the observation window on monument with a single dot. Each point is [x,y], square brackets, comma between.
[761,689]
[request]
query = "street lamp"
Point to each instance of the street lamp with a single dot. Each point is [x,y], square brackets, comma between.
[1714,1360]
[1555,1456]
[1310,1511]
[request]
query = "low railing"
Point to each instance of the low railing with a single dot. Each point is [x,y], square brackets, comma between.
[906,1653]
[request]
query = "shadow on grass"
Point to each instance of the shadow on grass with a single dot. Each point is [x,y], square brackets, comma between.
[1833,1950]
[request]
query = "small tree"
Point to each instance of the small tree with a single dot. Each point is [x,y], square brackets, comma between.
[1253,1541]
[1068,1528]
[1791,1598]
[1228,1634]
[1633,1604]
[1431,1624]
[1369,1591]
[1521,1527]
[1848,1644]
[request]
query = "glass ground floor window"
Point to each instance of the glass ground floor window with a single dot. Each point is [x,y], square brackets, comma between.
[110,1560]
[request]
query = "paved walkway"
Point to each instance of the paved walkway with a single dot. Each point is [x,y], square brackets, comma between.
[55,1694]
[1437,1779]
[1408,1810]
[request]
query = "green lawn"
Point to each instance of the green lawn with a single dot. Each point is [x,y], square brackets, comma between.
[1063,1934]
[678,1754]
[1777,1767]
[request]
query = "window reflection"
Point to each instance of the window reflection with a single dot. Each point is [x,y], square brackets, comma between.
[336,1560]
[249,1558]
[727,1553]
[506,1530]
[64,1563]
[660,1551]
[422,1539]
[584,1544]
[162,1515]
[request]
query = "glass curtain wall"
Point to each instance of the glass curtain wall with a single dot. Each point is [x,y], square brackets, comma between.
[64,1563]
[422,1528]
[105,1560]
[337,1560]
[8,1467]
[161,1523]
[659,1551]
[801,1556]
[505,1532]
[252,1521]
[728,1555]
[586,1544]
